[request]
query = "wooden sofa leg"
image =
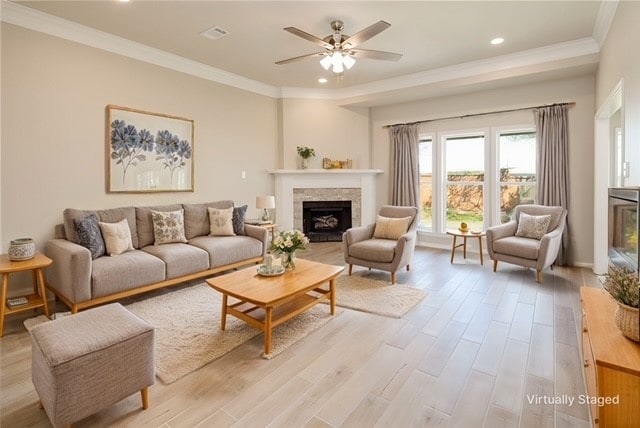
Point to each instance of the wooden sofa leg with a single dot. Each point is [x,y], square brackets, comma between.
[495,265]
[350,268]
[538,276]
[145,398]
[393,277]
[408,267]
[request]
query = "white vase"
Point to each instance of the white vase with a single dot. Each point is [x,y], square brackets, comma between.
[305,163]
[22,249]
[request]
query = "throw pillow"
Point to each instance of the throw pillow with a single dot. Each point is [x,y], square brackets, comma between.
[533,226]
[238,219]
[168,226]
[391,228]
[221,222]
[90,236]
[117,237]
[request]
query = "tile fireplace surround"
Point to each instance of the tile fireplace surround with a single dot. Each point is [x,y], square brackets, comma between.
[292,186]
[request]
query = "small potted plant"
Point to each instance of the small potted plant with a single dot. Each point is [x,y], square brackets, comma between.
[305,153]
[624,286]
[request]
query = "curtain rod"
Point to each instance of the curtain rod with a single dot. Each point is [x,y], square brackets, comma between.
[481,114]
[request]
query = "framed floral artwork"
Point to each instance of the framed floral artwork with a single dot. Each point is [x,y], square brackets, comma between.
[148,152]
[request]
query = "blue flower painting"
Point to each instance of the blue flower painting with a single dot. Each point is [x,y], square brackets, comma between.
[149,152]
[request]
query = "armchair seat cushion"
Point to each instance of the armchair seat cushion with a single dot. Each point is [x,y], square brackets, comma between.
[375,250]
[526,248]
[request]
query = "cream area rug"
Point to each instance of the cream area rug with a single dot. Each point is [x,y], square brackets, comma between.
[375,296]
[188,335]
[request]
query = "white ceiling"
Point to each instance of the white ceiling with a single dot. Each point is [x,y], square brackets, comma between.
[434,37]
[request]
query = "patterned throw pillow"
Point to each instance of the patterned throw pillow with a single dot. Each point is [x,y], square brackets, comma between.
[391,228]
[221,222]
[117,237]
[533,226]
[238,219]
[90,236]
[168,226]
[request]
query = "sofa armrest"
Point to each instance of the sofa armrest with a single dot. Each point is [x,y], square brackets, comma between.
[259,233]
[70,273]
[549,246]
[502,231]
[357,234]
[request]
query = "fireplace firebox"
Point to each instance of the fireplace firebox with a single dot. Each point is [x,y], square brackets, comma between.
[324,221]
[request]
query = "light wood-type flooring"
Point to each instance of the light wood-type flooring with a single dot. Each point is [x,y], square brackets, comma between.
[474,353]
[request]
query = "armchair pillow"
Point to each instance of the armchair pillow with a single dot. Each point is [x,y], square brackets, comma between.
[117,237]
[533,226]
[221,222]
[391,228]
[168,226]
[90,236]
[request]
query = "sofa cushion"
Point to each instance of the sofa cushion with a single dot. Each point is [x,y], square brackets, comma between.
[221,222]
[238,219]
[69,216]
[224,250]
[90,236]
[127,271]
[526,248]
[180,259]
[144,222]
[168,227]
[196,217]
[375,250]
[117,237]
[533,226]
[115,215]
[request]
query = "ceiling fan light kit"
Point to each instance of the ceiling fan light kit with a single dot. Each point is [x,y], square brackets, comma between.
[339,49]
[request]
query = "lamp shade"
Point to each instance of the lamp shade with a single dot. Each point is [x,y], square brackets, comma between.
[265,202]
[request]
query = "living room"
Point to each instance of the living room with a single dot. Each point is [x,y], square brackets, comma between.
[58,78]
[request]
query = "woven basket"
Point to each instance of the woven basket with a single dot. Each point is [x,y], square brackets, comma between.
[628,321]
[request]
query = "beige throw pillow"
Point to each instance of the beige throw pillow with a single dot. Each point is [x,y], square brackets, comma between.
[533,226]
[391,228]
[117,237]
[221,222]
[168,226]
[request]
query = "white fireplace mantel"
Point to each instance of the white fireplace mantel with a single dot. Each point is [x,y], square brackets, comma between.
[288,179]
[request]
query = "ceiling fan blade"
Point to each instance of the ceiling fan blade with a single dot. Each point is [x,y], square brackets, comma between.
[369,54]
[309,37]
[366,34]
[298,58]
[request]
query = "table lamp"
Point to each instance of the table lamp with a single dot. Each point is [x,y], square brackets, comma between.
[266,203]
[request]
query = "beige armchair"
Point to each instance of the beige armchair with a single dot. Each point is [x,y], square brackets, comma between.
[390,247]
[503,243]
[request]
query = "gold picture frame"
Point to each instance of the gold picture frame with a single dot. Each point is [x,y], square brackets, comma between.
[148,152]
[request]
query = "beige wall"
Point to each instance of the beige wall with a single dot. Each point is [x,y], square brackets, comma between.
[579,90]
[333,131]
[619,59]
[54,94]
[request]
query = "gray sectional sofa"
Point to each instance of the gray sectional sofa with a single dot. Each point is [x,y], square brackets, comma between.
[81,282]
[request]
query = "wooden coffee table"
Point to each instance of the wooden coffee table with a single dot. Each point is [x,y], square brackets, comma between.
[267,302]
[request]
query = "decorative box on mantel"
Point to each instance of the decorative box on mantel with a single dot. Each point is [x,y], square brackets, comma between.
[357,185]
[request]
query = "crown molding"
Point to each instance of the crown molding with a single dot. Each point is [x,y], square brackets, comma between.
[26,17]
[603,21]
[32,19]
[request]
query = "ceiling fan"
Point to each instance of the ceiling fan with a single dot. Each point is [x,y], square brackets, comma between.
[339,49]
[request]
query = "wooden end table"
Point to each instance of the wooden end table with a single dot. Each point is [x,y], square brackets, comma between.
[39,297]
[267,302]
[464,235]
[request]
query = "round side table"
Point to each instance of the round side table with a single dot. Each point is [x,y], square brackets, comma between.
[464,235]
[39,297]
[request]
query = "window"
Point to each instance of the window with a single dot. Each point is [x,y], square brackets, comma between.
[476,177]
[517,154]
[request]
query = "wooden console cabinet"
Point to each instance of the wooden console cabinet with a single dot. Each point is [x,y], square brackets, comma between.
[611,363]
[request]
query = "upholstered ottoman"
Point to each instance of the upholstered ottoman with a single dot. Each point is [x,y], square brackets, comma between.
[86,362]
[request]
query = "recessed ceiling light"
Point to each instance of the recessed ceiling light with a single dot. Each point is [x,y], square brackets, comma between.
[322,80]
[497,41]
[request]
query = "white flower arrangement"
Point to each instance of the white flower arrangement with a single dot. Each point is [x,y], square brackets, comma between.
[289,241]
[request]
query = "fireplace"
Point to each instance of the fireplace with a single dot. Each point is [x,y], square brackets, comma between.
[325,220]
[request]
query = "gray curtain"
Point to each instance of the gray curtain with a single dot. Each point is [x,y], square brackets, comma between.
[552,131]
[405,185]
